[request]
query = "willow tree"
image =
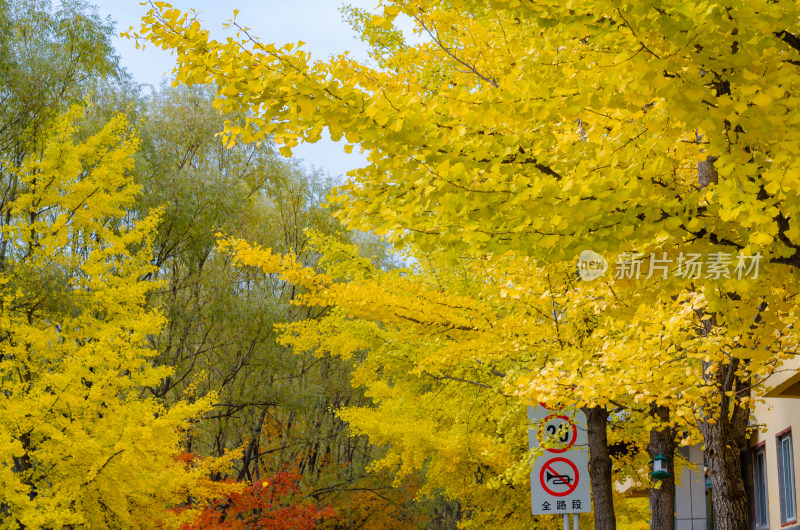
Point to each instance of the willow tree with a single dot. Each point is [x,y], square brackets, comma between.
[274,409]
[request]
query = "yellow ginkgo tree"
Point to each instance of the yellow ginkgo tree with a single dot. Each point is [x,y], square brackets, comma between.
[83,444]
[451,353]
[544,129]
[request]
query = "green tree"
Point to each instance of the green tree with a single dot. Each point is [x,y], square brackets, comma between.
[274,405]
[48,59]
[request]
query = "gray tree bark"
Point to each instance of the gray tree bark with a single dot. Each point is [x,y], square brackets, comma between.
[726,433]
[723,439]
[600,468]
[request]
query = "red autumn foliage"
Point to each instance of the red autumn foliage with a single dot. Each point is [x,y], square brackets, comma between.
[186,458]
[266,504]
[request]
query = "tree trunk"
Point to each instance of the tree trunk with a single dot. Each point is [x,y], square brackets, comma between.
[600,468]
[662,500]
[727,487]
[724,424]
[723,440]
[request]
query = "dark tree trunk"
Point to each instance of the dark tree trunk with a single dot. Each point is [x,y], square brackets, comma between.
[727,487]
[662,500]
[726,432]
[600,468]
[723,439]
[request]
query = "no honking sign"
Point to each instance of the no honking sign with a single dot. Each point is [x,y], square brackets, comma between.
[560,476]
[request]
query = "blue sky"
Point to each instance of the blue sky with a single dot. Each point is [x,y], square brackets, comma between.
[316,22]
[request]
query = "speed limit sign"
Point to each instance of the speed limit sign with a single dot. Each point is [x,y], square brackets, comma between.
[560,476]
[557,430]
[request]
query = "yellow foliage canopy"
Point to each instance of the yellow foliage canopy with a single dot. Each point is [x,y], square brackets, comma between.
[526,129]
[81,443]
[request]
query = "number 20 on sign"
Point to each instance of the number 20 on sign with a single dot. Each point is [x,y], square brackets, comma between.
[559,477]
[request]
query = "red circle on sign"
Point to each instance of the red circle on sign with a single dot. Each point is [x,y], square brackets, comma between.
[548,473]
[573,437]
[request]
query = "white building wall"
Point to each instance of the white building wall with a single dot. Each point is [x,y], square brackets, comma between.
[779,412]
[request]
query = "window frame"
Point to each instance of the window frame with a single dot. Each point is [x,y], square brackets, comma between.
[787,491]
[760,450]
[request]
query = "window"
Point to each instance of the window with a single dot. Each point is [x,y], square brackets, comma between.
[786,478]
[760,488]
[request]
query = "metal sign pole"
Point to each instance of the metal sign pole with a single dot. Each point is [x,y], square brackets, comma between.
[566,521]
[576,517]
